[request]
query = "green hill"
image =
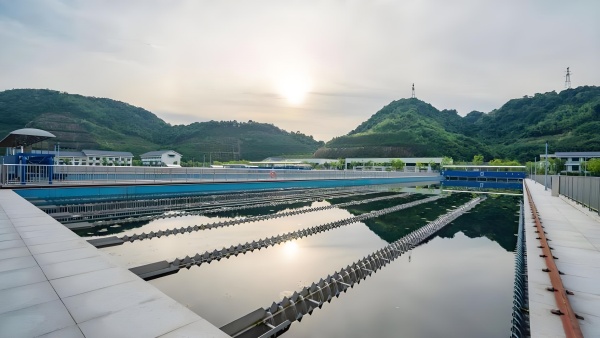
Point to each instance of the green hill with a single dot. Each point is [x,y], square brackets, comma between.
[568,120]
[82,122]
[407,128]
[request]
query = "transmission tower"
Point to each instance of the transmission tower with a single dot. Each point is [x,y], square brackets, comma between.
[413,91]
[568,79]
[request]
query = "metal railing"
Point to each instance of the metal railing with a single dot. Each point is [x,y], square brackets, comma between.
[539,178]
[31,174]
[583,190]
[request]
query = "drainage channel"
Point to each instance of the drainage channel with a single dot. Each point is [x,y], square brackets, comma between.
[95,203]
[164,268]
[114,240]
[277,318]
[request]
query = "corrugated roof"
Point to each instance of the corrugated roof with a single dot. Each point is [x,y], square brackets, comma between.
[60,153]
[92,152]
[578,154]
[158,152]
[69,153]
[25,137]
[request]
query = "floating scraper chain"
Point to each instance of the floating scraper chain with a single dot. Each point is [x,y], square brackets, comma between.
[189,229]
[159,269]
[291,199]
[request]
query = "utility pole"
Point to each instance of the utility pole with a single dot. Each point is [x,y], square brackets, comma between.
[546,169]
[568,79]
[413,92]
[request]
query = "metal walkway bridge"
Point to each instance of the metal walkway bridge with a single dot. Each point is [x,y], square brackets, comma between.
[483,177]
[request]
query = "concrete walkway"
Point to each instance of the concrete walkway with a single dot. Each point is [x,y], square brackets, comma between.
[575,238]
[55,284]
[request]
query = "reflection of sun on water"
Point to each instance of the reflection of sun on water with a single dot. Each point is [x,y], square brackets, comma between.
[290,249]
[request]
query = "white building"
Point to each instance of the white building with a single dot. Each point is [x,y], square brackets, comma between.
[91,157]
[574,161]
[105,157]
[161,158]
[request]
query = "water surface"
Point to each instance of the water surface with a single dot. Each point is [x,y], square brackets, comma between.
[458,284]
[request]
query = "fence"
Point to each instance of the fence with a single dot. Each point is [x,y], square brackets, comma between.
[583,190]
[540,179]
[30,174]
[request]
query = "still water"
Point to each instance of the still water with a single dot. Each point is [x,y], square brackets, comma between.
[458,284]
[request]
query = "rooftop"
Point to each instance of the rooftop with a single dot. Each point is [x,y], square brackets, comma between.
[158,153]
[25,137]
[91,152]
[578,154]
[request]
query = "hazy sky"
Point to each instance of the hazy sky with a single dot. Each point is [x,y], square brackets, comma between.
[319,67]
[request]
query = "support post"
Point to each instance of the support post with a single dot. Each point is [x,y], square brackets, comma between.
[535,169]
[546,169]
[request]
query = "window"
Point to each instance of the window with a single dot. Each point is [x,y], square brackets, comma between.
[575,168]
[575,159]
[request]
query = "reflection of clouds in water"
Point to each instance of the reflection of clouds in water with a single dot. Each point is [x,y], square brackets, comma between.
[285,293]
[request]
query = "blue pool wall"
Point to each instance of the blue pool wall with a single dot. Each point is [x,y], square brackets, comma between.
[204,188]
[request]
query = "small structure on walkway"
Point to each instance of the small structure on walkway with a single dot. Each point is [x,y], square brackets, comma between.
[21,139]
[15,165]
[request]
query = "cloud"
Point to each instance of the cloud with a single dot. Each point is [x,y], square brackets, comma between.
[205,60]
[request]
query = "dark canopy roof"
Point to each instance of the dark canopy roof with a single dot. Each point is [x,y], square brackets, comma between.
[25,137]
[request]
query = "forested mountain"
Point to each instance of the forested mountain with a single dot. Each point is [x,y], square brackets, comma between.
[569,121]
[407,128]
[82,122]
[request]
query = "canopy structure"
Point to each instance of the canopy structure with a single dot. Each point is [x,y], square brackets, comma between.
[25,137]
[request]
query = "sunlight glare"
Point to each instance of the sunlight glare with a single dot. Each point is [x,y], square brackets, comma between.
[294,88]
[290,248]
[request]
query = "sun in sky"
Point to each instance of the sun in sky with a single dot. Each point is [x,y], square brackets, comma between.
[294,87]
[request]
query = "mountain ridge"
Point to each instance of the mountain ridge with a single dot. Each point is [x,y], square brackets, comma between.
[88,122]
[408,127]
[517,130]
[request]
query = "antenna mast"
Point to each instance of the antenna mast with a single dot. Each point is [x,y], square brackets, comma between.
[413,91]
[568,79]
